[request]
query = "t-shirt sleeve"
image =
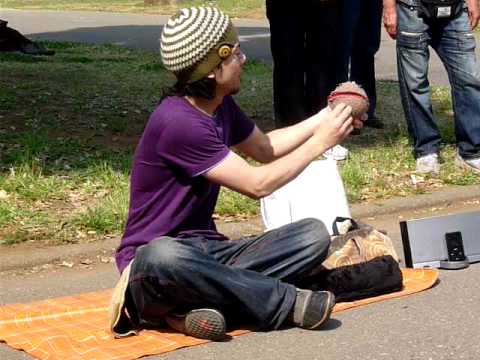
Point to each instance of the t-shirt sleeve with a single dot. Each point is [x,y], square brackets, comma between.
[242,125]
[194,147]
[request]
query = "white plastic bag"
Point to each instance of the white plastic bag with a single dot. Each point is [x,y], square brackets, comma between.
[317,192]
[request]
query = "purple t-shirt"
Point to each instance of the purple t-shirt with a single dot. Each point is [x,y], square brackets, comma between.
[168,195]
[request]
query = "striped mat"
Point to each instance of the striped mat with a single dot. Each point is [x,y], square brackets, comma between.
[76,327]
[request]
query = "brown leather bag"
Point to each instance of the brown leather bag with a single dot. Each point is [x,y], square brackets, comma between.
[360,243]
[361,262]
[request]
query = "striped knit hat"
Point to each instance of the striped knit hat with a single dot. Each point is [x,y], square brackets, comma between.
[195,40]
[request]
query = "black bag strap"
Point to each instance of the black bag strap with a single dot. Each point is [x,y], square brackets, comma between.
[340,219]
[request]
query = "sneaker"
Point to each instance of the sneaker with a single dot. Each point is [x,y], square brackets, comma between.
[374,123]
[337,152]
[428,164]
[206,324]
[470,164]
[312,308]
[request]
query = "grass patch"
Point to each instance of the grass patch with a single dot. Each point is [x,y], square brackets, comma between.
[235,8]
[233,203]
[69,125]
[107,216]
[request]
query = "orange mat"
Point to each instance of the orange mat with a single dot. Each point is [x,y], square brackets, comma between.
[76,327]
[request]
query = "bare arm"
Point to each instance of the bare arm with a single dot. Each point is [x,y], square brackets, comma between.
[277,143]
[256,182]
[390,17]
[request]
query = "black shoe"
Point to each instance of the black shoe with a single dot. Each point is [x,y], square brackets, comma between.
[206,324]
[374,123]
[312,308]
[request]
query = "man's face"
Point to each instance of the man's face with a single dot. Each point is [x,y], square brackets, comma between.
[227,74]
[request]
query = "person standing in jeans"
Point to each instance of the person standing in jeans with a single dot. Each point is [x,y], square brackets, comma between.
[453,40]
[176,267]
[303,43]
[361,22]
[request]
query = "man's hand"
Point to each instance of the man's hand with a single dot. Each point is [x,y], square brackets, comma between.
[333,125]
[390,17]
[473,13]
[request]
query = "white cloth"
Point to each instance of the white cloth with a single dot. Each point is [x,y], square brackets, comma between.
[317,192]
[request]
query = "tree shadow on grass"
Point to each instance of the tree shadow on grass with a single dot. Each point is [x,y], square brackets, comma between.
[101,96]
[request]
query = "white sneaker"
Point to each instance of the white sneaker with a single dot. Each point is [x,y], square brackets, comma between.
[337,152]
[428,164]
[470,164]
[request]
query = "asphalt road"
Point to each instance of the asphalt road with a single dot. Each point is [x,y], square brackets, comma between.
[142,31]
[440,324]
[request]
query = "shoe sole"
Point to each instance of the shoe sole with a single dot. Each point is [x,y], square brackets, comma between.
[206,324]
[461,163]
[330,304]
[336,158]
[432,173]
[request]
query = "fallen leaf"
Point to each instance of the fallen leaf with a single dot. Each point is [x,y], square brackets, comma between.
[3,194]
[106,260]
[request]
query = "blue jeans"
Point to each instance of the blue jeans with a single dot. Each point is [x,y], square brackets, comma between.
[359,41]
[250,278]
[454,42]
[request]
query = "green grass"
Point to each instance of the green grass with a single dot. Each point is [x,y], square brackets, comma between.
[7,213]
[235,8]
[108,216]
[69,125]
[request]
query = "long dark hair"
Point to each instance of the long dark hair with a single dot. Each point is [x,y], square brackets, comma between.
[203,88]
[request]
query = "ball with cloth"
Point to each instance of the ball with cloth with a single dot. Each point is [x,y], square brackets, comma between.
[350,93]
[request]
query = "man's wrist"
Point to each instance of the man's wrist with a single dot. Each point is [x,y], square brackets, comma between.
[311,123]
[389,5]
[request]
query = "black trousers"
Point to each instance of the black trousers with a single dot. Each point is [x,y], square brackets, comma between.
[359,41]
[304,47]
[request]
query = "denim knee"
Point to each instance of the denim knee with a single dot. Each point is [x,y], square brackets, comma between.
[316,237]
[164,253]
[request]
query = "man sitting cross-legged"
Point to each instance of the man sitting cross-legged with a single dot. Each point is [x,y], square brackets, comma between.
[175,265]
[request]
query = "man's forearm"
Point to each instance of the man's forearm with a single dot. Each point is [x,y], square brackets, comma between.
[285,140]
[272,176]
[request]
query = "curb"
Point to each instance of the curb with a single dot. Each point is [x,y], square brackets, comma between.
[29,255]
[22,256]
[398,204]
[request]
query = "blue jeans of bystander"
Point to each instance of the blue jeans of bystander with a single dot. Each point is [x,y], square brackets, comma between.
[454,42]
